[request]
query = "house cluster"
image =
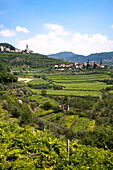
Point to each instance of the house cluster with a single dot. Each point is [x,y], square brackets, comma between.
[16,50]
[61,66]
[78,65]
[65,107]
[81,65]
[9,49]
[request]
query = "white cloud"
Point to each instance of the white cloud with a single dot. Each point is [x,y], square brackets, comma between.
[59,30]
[7,33]
[22,29]
[111,26]
[57,40]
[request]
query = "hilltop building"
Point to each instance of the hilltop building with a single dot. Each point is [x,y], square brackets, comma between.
[1,48]
[27,50]
[9,49]
[18,50]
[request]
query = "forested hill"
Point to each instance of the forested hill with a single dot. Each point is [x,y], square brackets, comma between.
[68,56]
[106,57]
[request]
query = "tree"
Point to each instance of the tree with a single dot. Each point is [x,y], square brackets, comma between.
[47,106]
[26,115]
[100,61]
[88,64]
[94,65]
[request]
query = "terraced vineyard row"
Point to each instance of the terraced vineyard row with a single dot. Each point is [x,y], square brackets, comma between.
[75,85]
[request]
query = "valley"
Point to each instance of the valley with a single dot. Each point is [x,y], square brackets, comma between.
[33,119]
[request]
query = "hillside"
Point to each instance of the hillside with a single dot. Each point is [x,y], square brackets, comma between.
[29,61]
[106,57]
[34,129]
[39,60]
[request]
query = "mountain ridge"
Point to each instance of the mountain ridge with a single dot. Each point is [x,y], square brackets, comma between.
[106,57]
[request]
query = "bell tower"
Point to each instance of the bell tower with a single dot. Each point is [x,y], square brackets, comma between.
[26,46]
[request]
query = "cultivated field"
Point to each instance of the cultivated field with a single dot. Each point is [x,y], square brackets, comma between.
[74,85]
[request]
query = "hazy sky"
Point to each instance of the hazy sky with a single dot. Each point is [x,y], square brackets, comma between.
[51,26]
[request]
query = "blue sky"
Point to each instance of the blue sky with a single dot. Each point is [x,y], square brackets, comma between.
[51,26]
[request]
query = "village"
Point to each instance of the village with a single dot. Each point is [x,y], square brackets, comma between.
[79,65]
[15,50]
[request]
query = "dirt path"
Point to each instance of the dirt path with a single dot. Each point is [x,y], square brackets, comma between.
[25,79]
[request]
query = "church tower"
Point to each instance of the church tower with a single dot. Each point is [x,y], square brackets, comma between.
[27,50]
[26,46]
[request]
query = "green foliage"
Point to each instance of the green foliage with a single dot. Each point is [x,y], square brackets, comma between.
[68,121]
[55,117]
[15,111]
[3,114]
[34,105]
[42,112]
[19,142]
[58,87]
[40,86]
[5,76]
[15,107]
[27,61]
[43,92]
[47,106]
[26,115]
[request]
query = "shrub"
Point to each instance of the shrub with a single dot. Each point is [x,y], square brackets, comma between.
[47,106]
[5,105]
[70,113]
[26,115]
[57,109]
[33,105]
[56,87]
[43,92]
[15,111]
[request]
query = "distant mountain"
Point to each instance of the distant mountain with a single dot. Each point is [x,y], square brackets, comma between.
[68,56]
[106,57]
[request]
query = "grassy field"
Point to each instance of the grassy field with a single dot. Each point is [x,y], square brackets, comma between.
[75,85]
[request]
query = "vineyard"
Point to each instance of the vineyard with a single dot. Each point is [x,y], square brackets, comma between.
[74,85]
[17,144]
[39,116]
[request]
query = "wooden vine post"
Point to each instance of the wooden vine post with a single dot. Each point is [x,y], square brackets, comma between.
[68,143]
